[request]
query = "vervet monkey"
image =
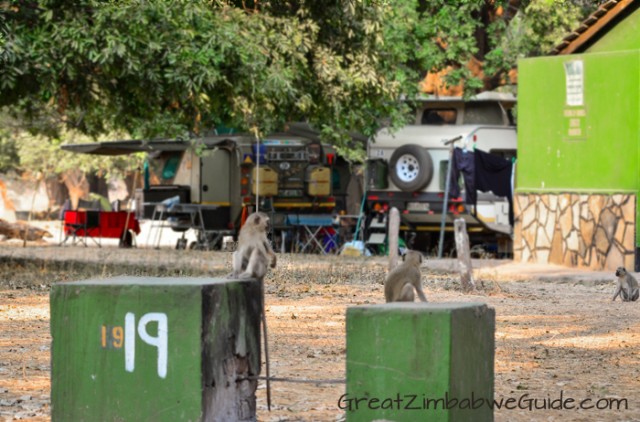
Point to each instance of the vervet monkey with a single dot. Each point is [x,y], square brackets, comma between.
[627,286]
[402,280]
[251,260]
[254,252]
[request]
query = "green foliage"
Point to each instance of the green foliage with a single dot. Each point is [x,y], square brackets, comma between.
[24,151]
[8,154]
[43,154]
[538,26]
[160,68]
[537,29]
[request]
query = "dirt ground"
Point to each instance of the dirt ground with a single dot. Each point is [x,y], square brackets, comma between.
[557,331]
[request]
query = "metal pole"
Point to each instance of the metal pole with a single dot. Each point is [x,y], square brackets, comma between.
[394,233]
[257,170]
[446,194]
[130,202]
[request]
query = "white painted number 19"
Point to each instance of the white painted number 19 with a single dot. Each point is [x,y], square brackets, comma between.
[160,340]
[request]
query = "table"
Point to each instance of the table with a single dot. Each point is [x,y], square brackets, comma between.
[318,232]
[111,224]
[182,217]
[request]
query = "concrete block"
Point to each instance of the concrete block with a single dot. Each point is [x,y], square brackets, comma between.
[420,361]
[155,349]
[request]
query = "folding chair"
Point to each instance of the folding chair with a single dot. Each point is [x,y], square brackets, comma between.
[79,227]
[92,222]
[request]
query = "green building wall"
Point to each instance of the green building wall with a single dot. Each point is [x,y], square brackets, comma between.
[578,165]
[601,154]
[625,35]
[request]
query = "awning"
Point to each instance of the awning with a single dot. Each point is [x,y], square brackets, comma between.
[132,146]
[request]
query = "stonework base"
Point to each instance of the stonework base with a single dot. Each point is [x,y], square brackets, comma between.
[576,230]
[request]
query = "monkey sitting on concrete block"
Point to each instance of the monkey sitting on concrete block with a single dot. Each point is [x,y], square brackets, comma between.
[402,280]
[251,260]
[254,253]
[627,286]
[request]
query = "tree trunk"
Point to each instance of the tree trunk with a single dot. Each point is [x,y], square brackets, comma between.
[22,231]
[133,181]
[7,209]
[76,183]
[56,191]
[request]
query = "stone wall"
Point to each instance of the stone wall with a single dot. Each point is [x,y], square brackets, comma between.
[577,230]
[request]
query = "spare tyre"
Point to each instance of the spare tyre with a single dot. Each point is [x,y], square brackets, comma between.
[411,168]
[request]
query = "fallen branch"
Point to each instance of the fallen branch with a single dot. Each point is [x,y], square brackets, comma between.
[20,230]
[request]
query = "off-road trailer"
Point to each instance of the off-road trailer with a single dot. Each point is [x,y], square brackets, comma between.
[228,176]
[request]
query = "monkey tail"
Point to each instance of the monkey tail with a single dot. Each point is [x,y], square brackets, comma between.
[266,358]
[266,346]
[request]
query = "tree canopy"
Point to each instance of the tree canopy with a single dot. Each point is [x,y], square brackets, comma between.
[160,68]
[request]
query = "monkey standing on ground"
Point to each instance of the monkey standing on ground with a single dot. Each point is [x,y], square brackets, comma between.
[251,259]
[254,253]
[402,280]
[627,286]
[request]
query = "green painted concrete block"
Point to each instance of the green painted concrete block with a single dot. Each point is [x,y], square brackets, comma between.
[155,349]
[420,362]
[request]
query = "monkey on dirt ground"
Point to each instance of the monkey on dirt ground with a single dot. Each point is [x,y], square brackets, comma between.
[402,280]
[627,286]
[251,260]
[254,253]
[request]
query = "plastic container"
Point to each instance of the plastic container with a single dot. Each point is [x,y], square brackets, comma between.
[264,180]
[318,180]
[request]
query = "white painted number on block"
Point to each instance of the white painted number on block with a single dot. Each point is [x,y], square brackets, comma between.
[129,341]
[160,341]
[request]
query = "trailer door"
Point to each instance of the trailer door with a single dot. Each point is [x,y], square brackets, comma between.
[215,186]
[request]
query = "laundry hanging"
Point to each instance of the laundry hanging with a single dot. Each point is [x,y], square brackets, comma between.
[493,173]
[463,162]
[483,172]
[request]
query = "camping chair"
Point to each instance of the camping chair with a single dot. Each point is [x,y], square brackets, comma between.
[82,224]
[92,222]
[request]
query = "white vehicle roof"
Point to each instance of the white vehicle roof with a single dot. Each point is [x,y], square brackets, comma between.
[502,97]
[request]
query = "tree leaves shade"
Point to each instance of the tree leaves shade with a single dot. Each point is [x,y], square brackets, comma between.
[161,68]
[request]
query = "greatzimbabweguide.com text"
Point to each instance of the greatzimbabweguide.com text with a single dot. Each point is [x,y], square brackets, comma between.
[446,402]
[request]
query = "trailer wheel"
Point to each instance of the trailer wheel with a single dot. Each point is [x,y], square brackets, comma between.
[411,168]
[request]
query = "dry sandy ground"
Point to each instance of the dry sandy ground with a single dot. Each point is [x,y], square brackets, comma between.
[557,330]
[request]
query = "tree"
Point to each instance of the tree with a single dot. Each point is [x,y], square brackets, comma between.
[158,68]
[166,69]
[475,45]
[42,157]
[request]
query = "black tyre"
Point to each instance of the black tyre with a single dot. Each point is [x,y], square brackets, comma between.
[411,168]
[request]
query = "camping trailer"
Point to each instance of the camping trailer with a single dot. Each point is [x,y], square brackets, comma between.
[227,177]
